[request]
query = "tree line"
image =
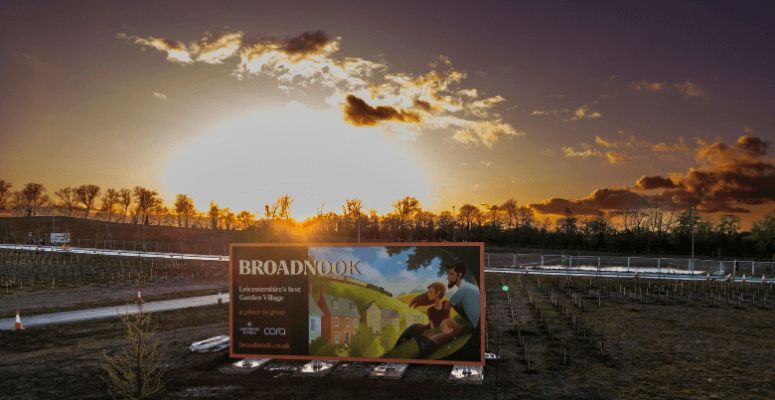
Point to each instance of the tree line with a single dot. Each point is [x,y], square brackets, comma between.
[646,230]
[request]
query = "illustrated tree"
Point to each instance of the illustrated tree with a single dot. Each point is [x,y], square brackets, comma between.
[86,195]
[388,337]
[67,199]
[138,371]
[365,343]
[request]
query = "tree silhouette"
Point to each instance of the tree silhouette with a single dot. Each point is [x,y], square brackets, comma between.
[33,197]
[145,199]
[214,214]
[5,191]
[109,200]
[67,199]
[184,206]
[125,201]
[86,194]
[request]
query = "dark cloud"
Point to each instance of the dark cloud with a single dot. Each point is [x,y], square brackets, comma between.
[359,113]
[727,179]
[307,43]
[424,105]
[654,182]
[599,200]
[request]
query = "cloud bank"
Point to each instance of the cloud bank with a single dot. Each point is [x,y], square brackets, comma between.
[366,91]
[727,178]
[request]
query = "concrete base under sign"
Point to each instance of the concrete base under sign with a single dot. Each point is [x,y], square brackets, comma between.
[245,366]
[318,368]
[466,374]
[388,371]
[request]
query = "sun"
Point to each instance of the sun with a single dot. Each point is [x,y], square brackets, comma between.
[252,159]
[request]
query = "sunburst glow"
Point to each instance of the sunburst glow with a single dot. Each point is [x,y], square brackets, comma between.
[250,160]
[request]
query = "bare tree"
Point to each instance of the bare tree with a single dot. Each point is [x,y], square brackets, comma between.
[33,196]
[184,206]
[509,209]
[214,213]
[5,193]
[109,200]
[525,217]
[227,218]
[405,210]
[145,200]
[137,372]
[468,214]
[283,206]
[246,219]
[125,201]
[66,199]
[86,194]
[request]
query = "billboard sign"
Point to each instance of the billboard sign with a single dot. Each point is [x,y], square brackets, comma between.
[383,302]
[59,238]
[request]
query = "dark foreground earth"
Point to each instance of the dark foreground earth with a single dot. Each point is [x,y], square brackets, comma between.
[557,338]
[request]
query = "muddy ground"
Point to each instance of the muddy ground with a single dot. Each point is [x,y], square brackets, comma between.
[643,340]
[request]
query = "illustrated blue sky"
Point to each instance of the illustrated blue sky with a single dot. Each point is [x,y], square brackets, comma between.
[379,268]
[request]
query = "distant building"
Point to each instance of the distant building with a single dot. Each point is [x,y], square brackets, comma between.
[340,318]
[315,320]
[377,319]
[412,319]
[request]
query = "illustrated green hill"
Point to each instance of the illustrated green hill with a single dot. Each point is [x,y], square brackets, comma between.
[362,296]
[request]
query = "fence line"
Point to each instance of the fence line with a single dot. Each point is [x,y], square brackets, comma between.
[632,264]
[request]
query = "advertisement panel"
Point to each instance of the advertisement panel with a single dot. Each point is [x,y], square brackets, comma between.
[382,302]
[59,238]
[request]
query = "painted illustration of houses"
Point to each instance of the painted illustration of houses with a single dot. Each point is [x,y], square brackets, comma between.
[412,319]
[377,319]
[315,320]
[340,318]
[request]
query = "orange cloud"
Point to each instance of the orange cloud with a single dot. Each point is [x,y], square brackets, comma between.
[429,102]
[726,179]
[357,112]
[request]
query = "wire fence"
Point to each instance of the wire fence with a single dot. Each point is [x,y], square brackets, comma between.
[654,265]
[526,261]
[182,247]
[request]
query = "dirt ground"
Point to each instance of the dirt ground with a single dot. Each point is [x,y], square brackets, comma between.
[644,340]
[88,296]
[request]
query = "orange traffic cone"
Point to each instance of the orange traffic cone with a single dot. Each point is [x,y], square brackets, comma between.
[17,326]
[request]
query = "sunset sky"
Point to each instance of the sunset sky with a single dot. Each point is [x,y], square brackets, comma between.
[451,102]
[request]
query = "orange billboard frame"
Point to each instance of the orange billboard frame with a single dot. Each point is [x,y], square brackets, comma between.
[482,303]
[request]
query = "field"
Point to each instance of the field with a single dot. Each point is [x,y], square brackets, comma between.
[39,282]
[557,338]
